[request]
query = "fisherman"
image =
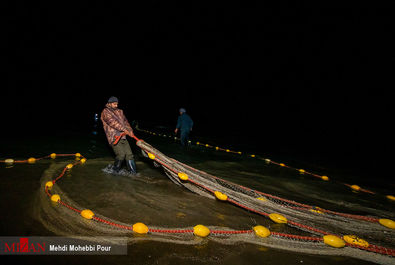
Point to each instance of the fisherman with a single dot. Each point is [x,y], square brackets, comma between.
[117,126]
[184,124]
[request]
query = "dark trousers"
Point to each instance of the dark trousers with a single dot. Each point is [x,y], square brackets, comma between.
[184,137]
[122,150]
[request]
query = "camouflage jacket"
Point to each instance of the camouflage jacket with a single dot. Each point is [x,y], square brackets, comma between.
[114,123]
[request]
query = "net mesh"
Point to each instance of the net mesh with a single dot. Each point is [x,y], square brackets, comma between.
[303,232]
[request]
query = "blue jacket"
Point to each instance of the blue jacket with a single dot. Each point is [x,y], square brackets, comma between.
[184,122]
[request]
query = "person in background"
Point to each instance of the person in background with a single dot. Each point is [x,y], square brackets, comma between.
[184,124]
[114,124]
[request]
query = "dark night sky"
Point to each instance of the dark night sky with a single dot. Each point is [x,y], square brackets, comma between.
[306,72]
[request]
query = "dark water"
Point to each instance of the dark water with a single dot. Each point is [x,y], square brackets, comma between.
[153,198]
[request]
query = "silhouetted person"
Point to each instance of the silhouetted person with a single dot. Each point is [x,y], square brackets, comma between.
[184,124]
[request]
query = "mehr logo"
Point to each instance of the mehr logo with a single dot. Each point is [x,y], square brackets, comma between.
[23,246]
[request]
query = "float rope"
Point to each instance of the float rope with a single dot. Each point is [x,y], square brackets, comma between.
[89,215]
[353,187]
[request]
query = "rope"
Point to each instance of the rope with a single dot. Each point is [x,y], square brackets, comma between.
[292,223]
[371,247]
[275,163]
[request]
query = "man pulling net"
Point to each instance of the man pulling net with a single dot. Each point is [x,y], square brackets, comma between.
[116,127]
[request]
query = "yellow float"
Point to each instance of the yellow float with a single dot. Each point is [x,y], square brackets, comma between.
[387,223]
[355,187]
[334,241]
[9,161]
[55,198]
[49,185]
[220,196]
[261,231]
[140,228]
[183,176]
[262,199]
[390,197]
[87,214]
[278,218]
[53,155]
[152,156]
[316,211]
[325,178]
[31,160]
[353,239]
[201,230]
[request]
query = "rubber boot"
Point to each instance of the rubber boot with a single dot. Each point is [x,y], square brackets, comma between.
[117,165]
[131,165]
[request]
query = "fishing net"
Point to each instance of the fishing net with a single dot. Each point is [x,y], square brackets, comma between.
[303,232]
